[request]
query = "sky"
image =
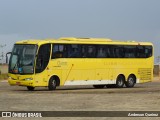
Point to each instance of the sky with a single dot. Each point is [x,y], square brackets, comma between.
[124,20]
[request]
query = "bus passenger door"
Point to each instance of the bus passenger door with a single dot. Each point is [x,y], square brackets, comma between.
[41,70]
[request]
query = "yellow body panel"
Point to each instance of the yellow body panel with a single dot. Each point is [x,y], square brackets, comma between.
[83,71]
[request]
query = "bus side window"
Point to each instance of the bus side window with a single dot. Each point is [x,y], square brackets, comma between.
[141,52]
[119,51]
[101,52]
[91,51]
[130,51]
[43,57]
[73,51]
[148,51]
[111,51]
[57,51]
[83,51]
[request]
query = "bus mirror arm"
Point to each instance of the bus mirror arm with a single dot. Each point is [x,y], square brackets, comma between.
[7,56]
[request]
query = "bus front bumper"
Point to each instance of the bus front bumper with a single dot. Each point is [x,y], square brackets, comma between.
[21,82]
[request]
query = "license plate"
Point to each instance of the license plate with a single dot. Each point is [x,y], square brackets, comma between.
[18,83]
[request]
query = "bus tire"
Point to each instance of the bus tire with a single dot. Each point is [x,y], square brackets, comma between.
[130,81]
[52,83]
[30,88]
[98,86]
[120,81]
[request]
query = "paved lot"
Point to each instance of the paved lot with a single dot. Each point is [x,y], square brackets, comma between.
[142,97]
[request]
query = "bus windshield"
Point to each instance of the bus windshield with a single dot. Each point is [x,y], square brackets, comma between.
[22,59]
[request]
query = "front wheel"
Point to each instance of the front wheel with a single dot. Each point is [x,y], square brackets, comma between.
[30,88]
[52,84]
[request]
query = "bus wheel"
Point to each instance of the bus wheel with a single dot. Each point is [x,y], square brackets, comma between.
[98,86]
[30,88]
[52,83]
[120,81]
[130,81]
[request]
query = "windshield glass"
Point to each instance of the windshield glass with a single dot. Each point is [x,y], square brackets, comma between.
[22,59]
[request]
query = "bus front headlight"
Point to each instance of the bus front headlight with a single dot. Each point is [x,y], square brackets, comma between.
[28,78]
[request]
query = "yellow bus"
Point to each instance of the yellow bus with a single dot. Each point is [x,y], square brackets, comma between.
[80,61]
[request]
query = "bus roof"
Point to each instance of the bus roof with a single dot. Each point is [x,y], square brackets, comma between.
[73,40]
[99,41]
[34,41]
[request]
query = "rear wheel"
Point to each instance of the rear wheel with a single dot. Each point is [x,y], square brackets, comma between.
[52,83]
[120,81]
[30,88]
[98,86]
[130,81]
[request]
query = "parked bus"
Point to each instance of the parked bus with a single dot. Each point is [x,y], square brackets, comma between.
[80,61]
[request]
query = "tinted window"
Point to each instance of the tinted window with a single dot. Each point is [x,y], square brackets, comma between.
[130,51]
[141,52]
[148,51]
[91,51]
[43,57]
[100,51]
[110,51]
[59,51]
[114,51]
[119,51]
[83,51]
[74,51]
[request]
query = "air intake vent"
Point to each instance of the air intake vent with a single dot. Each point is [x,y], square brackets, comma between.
[145,73]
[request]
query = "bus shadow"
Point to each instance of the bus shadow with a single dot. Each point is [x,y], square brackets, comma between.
[79,89]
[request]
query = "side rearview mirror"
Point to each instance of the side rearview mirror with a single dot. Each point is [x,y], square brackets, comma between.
[9,53]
